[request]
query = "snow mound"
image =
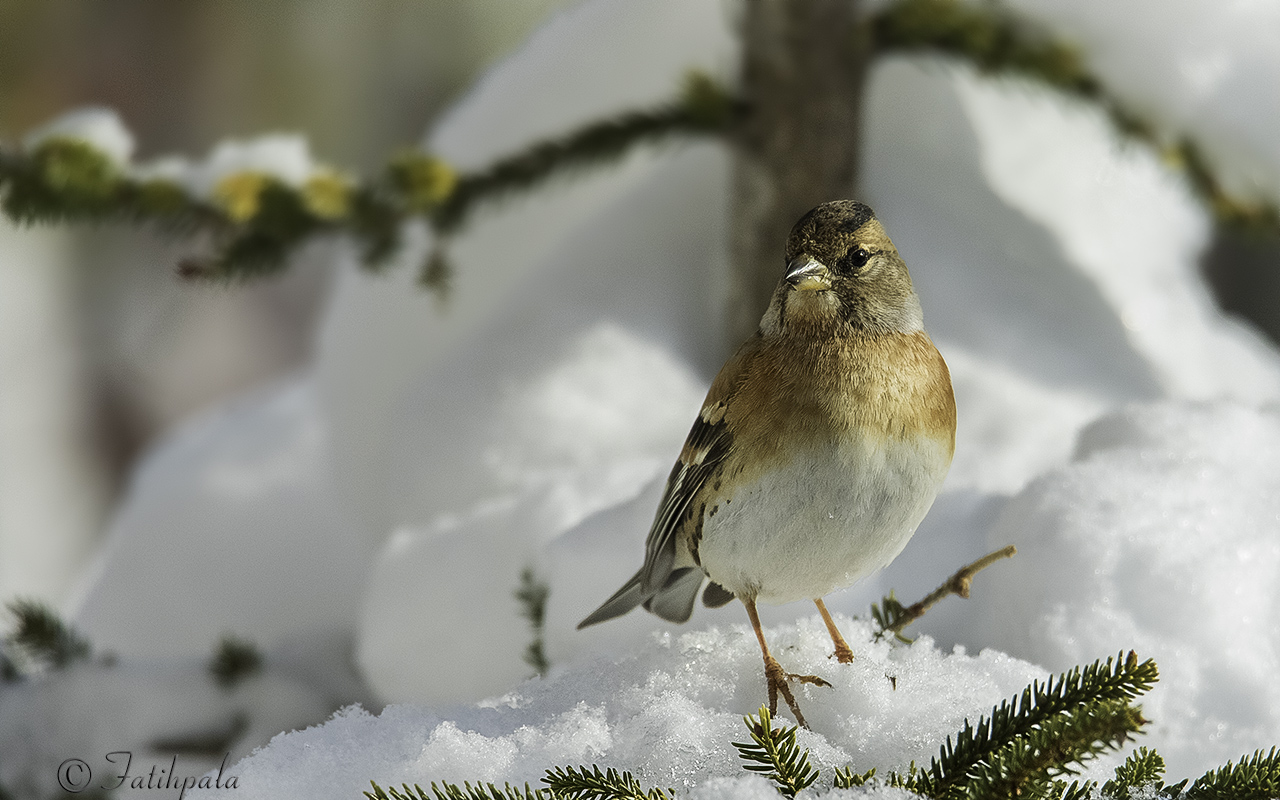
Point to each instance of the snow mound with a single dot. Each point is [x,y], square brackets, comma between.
[666,712]
[1161,536]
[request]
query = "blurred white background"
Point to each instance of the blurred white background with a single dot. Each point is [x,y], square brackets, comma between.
[102,347]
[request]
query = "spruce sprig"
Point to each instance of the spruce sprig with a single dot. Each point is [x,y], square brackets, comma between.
[41,639]
[1141,768]
[234,660]
[1254,778]
[1119,679]
[1027,765]
[450,791]
[584,784]
[890,617]
[773,752]
[846,778]
[532,595]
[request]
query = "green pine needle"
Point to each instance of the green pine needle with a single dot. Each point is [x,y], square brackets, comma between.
[581,784]
[234,660]
[846,778]
[42,639]
[450,791]
[888,615]
[1254,778]
[262,221]
[773,752]
[532,595]
[594,145]
[1119,679]
[1141,768]
[1027,765]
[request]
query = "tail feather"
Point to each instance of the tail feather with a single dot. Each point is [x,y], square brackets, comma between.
[628,597]
[674,601]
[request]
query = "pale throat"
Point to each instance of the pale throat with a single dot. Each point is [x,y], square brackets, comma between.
[820,312]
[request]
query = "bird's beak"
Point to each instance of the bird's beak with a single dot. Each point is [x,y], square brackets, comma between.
[807,274]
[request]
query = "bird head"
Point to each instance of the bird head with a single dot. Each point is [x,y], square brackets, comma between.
[842,273]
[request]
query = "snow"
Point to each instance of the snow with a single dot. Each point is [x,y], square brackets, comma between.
[51,498]
[1205,68]
[1113,425]
[1160,535]
[665,712]
[236,533]
[93,710]
[100,128]
[284,156]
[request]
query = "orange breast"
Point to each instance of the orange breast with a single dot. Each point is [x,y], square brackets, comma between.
[869,388]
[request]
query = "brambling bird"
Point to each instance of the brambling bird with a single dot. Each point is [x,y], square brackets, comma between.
[819,448]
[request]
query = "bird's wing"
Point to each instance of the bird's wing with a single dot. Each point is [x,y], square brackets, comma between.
[705,449]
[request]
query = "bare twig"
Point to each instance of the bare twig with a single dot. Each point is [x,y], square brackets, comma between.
[957,584]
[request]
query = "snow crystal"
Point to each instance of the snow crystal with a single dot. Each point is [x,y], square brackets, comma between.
[99,127]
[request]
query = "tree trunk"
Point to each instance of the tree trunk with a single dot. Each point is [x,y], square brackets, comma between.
[804,66]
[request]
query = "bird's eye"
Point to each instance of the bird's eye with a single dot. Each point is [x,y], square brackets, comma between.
[856,257]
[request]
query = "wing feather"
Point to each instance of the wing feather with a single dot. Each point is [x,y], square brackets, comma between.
[705,449]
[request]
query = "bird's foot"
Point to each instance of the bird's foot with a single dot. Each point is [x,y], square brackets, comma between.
[778,679]
[843,654]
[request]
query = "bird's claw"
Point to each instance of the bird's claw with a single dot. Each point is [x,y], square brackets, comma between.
[842,654]
[778,679]
[812,680]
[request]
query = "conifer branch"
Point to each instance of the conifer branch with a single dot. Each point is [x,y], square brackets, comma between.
[1141,768]
[1119,679]
[42,639]
[846,778]
[773,752]
[532,596]
[1027,765]
[581,784]
[1061,790]
[450,791]
[704,107]
[892,617]
[254,220]
[1254,778]
[234,660]
[998,43]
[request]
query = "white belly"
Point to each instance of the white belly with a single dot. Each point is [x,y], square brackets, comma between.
[823,521]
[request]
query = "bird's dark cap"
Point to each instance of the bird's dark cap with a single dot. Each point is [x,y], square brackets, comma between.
[844,216]
[826,226]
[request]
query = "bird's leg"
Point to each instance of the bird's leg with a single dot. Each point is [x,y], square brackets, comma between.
[843,654]
[774,674]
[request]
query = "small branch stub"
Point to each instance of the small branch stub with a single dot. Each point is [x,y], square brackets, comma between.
[894,617]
